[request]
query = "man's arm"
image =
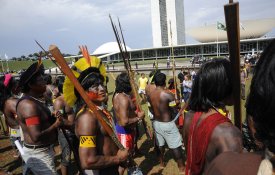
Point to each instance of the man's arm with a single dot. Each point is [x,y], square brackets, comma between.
[32,118]
[86,129]
[60,104]
[188,116]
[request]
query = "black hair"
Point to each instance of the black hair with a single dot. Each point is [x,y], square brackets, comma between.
[171,84]
[154,73]
[261,101]
[48,79]
[160,79]
[212,85]
[123,83]
[87,78]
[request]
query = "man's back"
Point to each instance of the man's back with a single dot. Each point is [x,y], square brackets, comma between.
[224,136]
[160,99]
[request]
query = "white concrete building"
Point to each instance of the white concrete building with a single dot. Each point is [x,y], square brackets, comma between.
[163,12]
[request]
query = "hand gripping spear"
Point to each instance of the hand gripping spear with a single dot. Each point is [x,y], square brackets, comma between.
[231,12]
[127,65]
[67,71]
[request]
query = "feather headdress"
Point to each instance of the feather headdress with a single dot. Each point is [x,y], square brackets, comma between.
[82,64]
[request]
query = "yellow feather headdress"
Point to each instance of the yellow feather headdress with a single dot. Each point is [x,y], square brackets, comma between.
[81,65]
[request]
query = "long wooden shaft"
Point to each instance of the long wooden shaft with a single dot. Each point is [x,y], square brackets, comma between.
[173,66]
[231,11]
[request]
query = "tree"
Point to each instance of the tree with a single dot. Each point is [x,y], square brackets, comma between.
[36,54]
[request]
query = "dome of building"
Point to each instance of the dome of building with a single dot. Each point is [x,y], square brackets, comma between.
[248,29]
[110,47]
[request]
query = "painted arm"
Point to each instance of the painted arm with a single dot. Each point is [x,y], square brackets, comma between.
[32,119]
[87,128]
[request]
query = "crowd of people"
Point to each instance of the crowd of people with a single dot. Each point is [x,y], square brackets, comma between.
[200,134]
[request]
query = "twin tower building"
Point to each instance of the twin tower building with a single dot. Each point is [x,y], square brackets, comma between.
[167,16]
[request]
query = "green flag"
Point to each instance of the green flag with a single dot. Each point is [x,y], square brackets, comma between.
[220,26]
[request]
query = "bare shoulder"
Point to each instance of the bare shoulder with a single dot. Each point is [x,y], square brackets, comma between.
[59,102]
[86,123]
[86,116]
[227,137]
[166,95]
[226,129]
[27,108]
[121,99]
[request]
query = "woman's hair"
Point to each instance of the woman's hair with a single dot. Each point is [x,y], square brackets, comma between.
[261,101]
[87,78]
[160,79]
[212,85]
[123,83]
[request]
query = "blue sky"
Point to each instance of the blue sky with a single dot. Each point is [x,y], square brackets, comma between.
[69,23]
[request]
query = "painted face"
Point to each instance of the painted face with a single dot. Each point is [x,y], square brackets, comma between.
[97,92]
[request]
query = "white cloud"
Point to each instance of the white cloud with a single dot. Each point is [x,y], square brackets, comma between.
[69,23]
[62,30]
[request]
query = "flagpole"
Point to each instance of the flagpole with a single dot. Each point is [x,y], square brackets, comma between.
[7,64]
[2,64]
[217,39]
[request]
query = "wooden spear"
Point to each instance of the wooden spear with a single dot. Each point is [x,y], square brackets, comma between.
[231,12]
[127,65]
[173,57]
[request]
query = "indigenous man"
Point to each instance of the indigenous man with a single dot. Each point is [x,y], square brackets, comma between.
[208,131]
[127,117]
[142,81]
[165,128]
[97,150]
[39,129]
[68,115]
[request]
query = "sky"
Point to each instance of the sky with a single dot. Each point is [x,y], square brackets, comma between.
[70,23]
